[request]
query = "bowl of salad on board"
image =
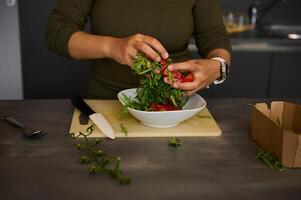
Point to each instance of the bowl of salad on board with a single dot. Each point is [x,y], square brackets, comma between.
[155,102]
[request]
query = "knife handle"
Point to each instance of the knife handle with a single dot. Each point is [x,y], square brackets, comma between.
[80,104]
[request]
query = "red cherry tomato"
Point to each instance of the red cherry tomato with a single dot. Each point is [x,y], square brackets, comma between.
[163,107]
[163,62]
[188,78]
[164,71]
[177,75]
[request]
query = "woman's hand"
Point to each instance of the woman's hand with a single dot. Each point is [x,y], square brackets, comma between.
[205,71]
[123,50]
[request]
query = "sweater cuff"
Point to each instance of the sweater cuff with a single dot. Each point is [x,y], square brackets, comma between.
[62,39]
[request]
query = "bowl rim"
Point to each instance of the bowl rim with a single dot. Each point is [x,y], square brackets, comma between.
[171,111]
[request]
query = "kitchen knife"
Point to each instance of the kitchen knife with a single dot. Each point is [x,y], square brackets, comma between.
[97,118]
[83,119]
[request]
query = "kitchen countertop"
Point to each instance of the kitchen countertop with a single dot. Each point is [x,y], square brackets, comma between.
[258,40]
[203,168]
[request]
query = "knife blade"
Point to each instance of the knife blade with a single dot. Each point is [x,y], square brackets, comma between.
[97,118]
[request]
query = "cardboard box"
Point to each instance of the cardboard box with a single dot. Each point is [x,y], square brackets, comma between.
[278,129]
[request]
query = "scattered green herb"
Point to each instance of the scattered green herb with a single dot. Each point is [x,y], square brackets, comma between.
[174,142]
[205,116]
[269,159]
[100,161]
[124,129]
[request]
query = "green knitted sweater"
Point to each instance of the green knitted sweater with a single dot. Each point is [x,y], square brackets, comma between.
[172,22]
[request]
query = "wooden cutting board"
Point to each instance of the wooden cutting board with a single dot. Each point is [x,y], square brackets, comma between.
[202,124]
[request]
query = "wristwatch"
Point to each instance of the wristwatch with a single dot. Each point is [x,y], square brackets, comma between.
[224,70]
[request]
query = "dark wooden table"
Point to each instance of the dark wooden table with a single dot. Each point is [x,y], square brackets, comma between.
[203,168]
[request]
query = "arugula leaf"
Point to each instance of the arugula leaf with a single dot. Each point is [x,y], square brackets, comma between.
[152,88]
[124,129]
[204,116]
[174,142]
[269,159]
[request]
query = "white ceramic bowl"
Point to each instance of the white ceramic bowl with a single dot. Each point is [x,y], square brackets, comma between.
[164,119]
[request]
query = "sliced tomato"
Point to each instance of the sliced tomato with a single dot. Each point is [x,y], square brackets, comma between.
[177,75]
[188,78]
[163,62]
[164,65]
[166,80]
[163,107]
[164,71]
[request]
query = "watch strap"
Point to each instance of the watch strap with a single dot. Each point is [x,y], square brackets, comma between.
[224,70]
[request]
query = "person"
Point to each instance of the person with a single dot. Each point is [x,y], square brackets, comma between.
[120,29]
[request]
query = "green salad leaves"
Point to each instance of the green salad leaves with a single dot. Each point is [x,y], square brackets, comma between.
[154,89]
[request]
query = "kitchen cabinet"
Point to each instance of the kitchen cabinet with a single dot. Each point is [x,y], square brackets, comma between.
[285,75]
[248,77]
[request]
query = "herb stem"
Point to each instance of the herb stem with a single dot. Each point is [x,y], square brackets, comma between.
[102,161]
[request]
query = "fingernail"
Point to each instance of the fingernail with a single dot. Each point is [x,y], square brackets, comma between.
[158,59]
[171,67]
[165,55]
[175,85]
[157,71]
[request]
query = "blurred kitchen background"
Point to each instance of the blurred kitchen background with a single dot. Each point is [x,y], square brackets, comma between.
[266,59]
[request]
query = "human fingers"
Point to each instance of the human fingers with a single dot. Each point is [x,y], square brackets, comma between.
[198,82]
[182,66]
[128,61]
[185,86]
[127,57]
[148,51]
[191,92]
[132,52]
[157,46]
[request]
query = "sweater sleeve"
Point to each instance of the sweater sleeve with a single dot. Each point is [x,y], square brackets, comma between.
[209,29]
[68,17]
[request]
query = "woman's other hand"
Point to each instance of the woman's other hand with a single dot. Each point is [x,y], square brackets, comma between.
[205,71]
[123,50]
